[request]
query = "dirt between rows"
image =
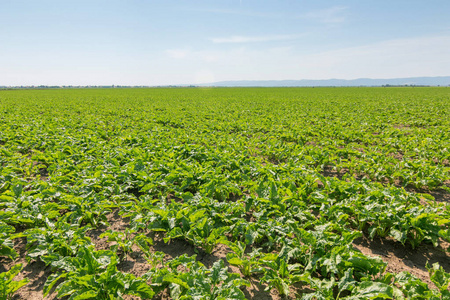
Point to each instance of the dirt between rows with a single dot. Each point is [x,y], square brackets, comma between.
[401,258]
[136,264]
[398,257]
[440,194]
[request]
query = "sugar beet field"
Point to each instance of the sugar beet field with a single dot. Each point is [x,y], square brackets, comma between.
[225,193]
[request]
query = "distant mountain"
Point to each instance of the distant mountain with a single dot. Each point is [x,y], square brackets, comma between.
[431,81]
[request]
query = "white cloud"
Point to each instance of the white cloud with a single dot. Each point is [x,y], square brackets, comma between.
[421,56]
[253,39]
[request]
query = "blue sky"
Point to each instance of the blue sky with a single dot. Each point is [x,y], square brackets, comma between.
[138,42]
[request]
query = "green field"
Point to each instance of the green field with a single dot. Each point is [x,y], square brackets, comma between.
[220,193]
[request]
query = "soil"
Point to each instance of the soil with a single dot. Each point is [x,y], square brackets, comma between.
[134,263]
[329,171]
[35,271]
[401,258]
[439,194]
[179,247]
[398,257]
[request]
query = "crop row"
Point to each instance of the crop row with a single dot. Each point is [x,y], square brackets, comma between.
[245,168]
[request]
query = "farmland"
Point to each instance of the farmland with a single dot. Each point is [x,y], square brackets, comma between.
[225,193]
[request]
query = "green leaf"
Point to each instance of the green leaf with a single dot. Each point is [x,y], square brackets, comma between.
[51,281]
[398,235]
[8,286]
[235,261]
[219,272]
[17,189]
[373,290]
[347,282]
[85,295]
[137,287]
[439,277]
[173,279]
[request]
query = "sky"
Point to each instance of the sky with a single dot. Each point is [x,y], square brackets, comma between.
[139,42]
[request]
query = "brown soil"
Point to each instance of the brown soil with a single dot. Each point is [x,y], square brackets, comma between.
[401,126]
[35,271]
[134,263]
[439,194]
[398,156]
[403,258]
[176,248]
[329,171]
[399,258]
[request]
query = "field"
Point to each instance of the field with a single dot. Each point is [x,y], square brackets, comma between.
[225,193]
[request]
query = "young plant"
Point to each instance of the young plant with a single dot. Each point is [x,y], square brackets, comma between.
[441,279]
[8,286]
[6,244]
[201,283]
[94,275]
[280,275]
[123,242]
[55,241]
[248,264]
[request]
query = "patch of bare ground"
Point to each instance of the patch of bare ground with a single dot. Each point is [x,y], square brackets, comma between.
[35,271]
[116,223]
[329,171]
[444,162]
[439,194]
[401,126]
[175,248]
[257,291]
[404,258]
[172,198]
[134,263]
[396,155]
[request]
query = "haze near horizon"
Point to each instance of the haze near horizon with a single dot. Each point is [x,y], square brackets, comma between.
[191,42]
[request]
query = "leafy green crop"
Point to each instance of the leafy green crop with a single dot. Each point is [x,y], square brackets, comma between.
[441,279]
[197,282]
[94,275]
[6,244]
[280,181]
[8,286]
[249,263]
